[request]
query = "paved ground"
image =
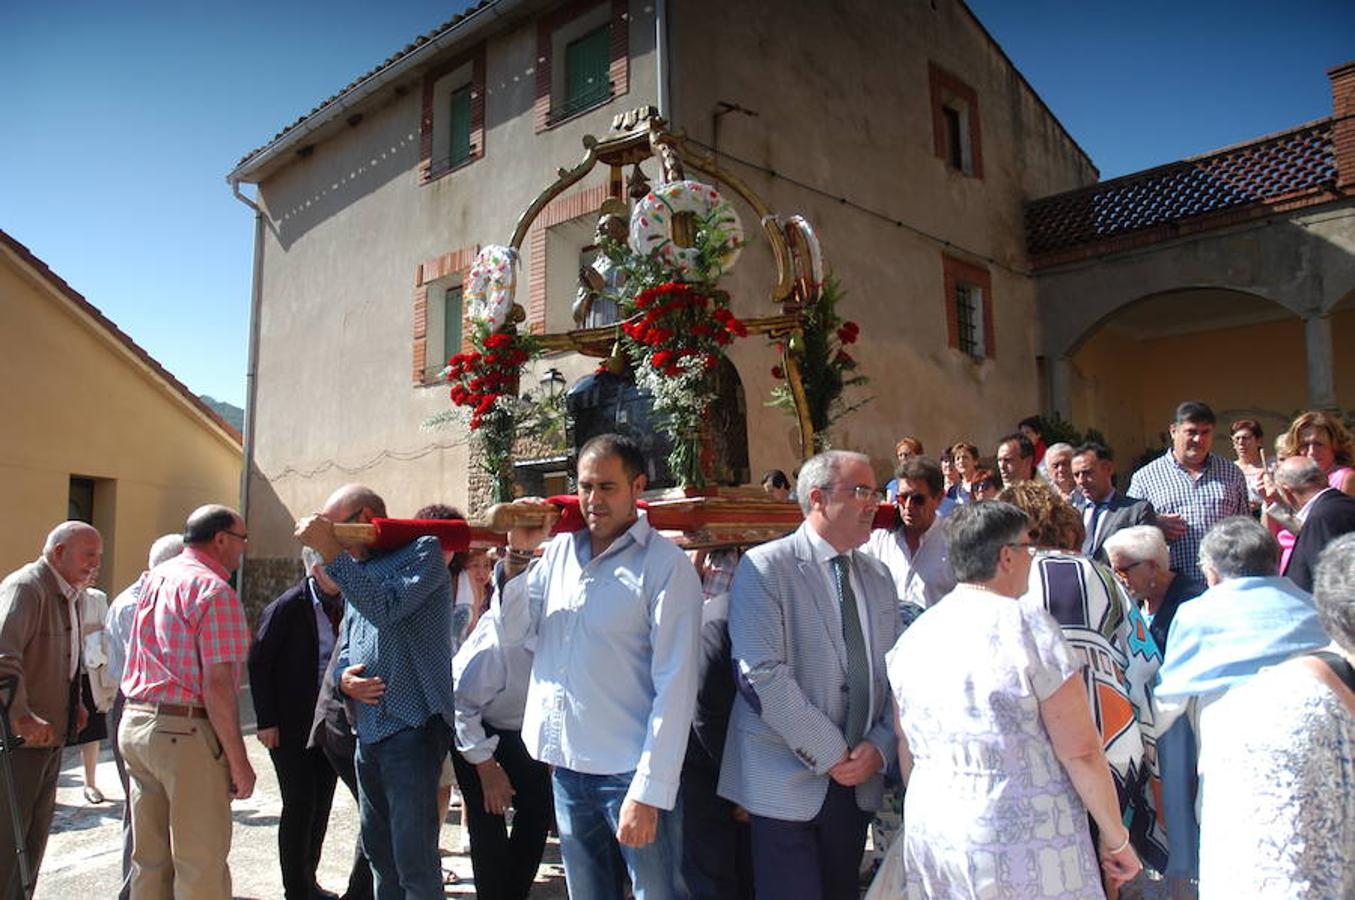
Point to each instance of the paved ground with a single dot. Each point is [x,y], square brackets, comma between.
[83,856]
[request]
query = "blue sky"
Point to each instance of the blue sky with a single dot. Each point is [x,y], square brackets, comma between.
[124,118]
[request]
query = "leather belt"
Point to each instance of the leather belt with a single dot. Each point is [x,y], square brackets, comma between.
[169,709]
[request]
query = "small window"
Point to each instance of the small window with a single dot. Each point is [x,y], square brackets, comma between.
[969,319]
[80,502]
[955,138]
[458,120]
[587,61]
[445,326]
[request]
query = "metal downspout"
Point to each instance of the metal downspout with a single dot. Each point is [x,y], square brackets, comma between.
[251,365]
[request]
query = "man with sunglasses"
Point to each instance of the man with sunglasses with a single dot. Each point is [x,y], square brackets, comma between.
[810,621]
[180,729]
[915,550]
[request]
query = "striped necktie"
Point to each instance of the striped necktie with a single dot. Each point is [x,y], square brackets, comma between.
[858,664]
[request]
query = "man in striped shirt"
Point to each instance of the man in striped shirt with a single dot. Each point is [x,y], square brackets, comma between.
[1190,488]
[180,730]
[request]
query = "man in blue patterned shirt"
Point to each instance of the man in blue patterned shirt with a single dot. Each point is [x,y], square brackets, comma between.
[1191,488]
[616,611]
[394,657]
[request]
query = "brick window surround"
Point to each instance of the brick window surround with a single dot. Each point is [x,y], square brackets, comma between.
[948,91]
[957,272]
[450,265]
[432,118]
[548,25]
[561,209]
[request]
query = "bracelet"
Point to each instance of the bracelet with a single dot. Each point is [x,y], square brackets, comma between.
[520,556]
[1121,848]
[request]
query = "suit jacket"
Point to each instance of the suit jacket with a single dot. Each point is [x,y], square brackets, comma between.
[786,730]
[1121,513]
[284,665]
[1332,515]
[35,645]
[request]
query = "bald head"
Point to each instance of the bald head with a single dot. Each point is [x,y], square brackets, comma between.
[74,550]
[206,522]
[1300,480]
[351,499]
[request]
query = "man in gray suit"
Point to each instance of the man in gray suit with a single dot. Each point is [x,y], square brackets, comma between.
[1104,509]
[810,736]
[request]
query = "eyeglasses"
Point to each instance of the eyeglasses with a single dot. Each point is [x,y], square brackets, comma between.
[353,516]
[861,492]
[1028,547]
[1123,571]
[242,538]
[913,499]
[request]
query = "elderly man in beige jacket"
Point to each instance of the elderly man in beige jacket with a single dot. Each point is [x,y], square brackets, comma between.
[40,645]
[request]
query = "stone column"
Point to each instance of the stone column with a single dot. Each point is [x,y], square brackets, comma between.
[1321,384]
[1060,375]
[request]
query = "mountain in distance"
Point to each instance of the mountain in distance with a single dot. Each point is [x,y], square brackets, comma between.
[228,411]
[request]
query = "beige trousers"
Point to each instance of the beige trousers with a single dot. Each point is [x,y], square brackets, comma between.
[181,807]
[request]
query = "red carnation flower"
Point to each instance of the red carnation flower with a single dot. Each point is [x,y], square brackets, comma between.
[778,373]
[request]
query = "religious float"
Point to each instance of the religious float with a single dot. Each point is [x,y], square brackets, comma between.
[651,311]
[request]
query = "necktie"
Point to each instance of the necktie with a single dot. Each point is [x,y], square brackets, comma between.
[858,664]
[1089,542]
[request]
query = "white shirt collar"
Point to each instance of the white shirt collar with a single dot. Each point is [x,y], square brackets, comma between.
[823,551]
[1302,514]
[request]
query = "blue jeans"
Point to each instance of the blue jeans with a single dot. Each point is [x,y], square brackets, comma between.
[397,805]
[587,811]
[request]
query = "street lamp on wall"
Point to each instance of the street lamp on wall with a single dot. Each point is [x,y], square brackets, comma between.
[552,383]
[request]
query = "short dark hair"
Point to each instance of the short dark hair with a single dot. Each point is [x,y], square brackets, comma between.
[922,468]
[776,478]
[438,511]
[1251,425]
[1034,423]
[1023,444]
[1195,411]
[978,532]
[207,522]
[1100,449]
[619,445]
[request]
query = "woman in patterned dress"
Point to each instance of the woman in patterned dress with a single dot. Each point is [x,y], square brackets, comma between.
[996,743]
[1278,800]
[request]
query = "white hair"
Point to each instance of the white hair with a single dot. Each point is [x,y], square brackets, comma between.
[1060,447]
[166,546]
[1141,543]
[821,470]
[63,533]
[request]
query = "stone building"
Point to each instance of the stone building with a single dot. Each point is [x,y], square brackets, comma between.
[95,429]
[901,130]
[1227,277]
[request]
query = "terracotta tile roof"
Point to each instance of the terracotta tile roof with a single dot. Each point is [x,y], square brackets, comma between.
[1263,170]
[116,333]
[386,64]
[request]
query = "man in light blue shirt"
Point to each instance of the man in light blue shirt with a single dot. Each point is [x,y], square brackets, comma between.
[616,612]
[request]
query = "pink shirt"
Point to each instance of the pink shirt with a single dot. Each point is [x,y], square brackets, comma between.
[187,617]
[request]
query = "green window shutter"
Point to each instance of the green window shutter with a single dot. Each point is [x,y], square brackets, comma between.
[459,144]
[451,322]
[587,70]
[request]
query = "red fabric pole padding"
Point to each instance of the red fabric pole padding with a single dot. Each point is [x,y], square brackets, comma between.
[453,534]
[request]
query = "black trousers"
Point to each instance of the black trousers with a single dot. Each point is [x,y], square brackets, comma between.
[815,860]
[717,851]
[306,781]
[505,866]
[341,761]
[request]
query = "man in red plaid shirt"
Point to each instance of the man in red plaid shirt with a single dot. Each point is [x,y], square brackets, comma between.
[180,731]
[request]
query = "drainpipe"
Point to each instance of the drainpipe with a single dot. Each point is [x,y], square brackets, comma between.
[661,58]
[251,365]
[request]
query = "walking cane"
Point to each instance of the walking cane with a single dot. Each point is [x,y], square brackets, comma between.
[9,685]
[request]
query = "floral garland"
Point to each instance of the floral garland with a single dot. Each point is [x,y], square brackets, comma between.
[485,382]
[826,368]
[676,327]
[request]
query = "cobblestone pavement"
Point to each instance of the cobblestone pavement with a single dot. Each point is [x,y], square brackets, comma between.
[83,858]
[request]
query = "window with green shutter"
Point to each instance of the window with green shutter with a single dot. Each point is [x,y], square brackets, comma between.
[459,121]
[587,67]
[451,323]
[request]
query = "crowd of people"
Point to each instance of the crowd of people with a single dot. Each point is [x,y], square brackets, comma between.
[1027,684]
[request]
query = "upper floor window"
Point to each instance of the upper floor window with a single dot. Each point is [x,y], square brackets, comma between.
[955,122]
[452,126]
[439,314]
[582,59]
